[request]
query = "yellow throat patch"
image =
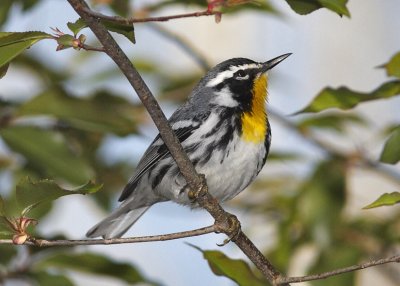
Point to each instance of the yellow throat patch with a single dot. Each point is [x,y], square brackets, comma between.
[253,122]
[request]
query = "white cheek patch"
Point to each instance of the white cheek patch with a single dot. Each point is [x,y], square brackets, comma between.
[224,98]
[229,73]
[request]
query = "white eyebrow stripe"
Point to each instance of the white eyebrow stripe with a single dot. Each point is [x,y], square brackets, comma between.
[229,73]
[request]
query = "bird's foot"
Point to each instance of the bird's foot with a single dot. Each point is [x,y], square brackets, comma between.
[231,227]
[200,192]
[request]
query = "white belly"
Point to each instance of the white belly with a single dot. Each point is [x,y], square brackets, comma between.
[238,169]
[227,173]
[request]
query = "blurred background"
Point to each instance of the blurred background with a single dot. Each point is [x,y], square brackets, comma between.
[72,117]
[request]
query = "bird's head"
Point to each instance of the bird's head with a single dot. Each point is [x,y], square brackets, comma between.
[237,83]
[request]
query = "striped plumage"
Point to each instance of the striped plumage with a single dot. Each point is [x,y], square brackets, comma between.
[223,128]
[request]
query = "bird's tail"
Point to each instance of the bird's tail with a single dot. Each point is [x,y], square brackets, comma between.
[117,223]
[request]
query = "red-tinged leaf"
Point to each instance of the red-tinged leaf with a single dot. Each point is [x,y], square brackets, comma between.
[19,238]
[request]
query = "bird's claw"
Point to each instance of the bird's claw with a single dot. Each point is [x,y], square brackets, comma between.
[201,191]
[231,228]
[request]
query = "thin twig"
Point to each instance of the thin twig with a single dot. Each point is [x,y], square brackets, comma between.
[395,259]
[127,21]
[90,48]
[75,242]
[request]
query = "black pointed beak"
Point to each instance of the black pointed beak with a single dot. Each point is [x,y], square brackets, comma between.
[275,61]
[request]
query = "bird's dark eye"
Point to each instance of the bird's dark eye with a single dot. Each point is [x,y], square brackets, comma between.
[240,73]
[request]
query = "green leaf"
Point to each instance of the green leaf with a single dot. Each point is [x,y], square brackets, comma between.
[47,151]
[338,6]
[391,151]
[101,113]
[126,30]
[3,70]
[334,122]
[77,26]
[29,194]
[304,7]
[44,278]
[94,264]
[235,269]
[344,98]
[385,200]
[13,44]
[393,66]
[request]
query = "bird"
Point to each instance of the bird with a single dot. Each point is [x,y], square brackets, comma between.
[224,129]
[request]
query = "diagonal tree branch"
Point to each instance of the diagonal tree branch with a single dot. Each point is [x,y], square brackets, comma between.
[225,222]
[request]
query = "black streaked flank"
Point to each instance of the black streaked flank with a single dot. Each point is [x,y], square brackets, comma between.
[161,152]
[160,175]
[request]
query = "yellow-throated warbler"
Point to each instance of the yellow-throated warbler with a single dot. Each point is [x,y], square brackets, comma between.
[223,128]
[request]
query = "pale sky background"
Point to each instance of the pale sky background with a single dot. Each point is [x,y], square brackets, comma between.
[327,50]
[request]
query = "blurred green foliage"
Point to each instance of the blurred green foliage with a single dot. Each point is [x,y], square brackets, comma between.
[304,7]
[57,135]
[235,269]
[345,98]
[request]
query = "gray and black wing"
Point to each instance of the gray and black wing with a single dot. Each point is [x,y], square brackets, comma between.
[156,152]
